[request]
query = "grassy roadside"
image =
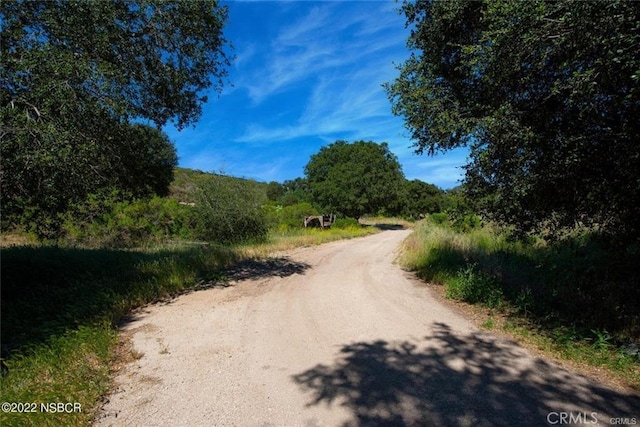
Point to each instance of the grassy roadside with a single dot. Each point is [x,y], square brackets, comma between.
[571,300]
[60,308]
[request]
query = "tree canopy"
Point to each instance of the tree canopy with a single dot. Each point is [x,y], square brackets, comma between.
[83,81]
[355,179]
[229,210]
[545,94]
[420,198]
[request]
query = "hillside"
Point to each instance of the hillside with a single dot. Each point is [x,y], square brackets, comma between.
[185,182]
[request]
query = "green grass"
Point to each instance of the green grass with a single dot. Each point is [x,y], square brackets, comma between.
[568,343]
[475,286]
[300,237]
[71,368]
[61,306]
[59,309]
[583,284]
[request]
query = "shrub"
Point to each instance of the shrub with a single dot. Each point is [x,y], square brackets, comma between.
[465,222]
[107,221]
[439,218]
[229,211]
[584,279]
[293,216]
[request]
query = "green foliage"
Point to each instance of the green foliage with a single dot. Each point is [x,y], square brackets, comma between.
[475,286]
[546,95]
[295,191]
[72,367]
[146,164]
[584,279]
[42,179]
[576,297]
[524,301]
[49,290]
[290,217]
[115,223]
[229,210]
[602,340]
[341,223]
[439,218]
[289,193]
[420,198]
[60,307]
[435,254]
[142,59]
[186,183]
[464,221]
[184,186]
[461,221]
[116,219]
[355,179]
[275,191]
[76,76]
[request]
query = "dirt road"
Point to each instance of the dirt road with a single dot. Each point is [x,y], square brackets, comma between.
[338,335]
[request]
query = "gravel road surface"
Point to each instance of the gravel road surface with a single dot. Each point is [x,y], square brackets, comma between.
[338,335]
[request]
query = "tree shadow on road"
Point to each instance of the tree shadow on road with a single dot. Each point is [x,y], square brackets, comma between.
[247,270]
[452,379]
[262,268]
[390,227]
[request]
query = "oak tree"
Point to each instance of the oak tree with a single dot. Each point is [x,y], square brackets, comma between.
[355,179]
[82,84]
[545,94]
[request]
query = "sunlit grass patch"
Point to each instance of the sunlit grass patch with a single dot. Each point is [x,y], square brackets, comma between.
[71,369]
[287,239]
[582,283]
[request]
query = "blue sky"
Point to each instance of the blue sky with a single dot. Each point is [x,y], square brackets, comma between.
[306,74]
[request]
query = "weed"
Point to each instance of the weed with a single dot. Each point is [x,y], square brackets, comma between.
[524,301]
[70,368]
[489,323]
[602,340]
[346,223]
[474,286]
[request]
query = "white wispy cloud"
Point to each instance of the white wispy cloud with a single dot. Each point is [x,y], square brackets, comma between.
[344,73]
[317,43]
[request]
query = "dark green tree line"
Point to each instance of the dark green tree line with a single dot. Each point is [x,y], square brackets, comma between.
[78,78]
[420,198]
[547,97]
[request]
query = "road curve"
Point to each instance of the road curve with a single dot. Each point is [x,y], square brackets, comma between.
[338,335]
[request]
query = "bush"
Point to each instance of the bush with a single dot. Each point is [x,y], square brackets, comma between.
[439,218]
[465,222]
[475,286]
[107,221]
[229,211]
[291,217]
[346,223]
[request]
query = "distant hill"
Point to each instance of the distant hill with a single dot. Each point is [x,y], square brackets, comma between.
[186,181]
